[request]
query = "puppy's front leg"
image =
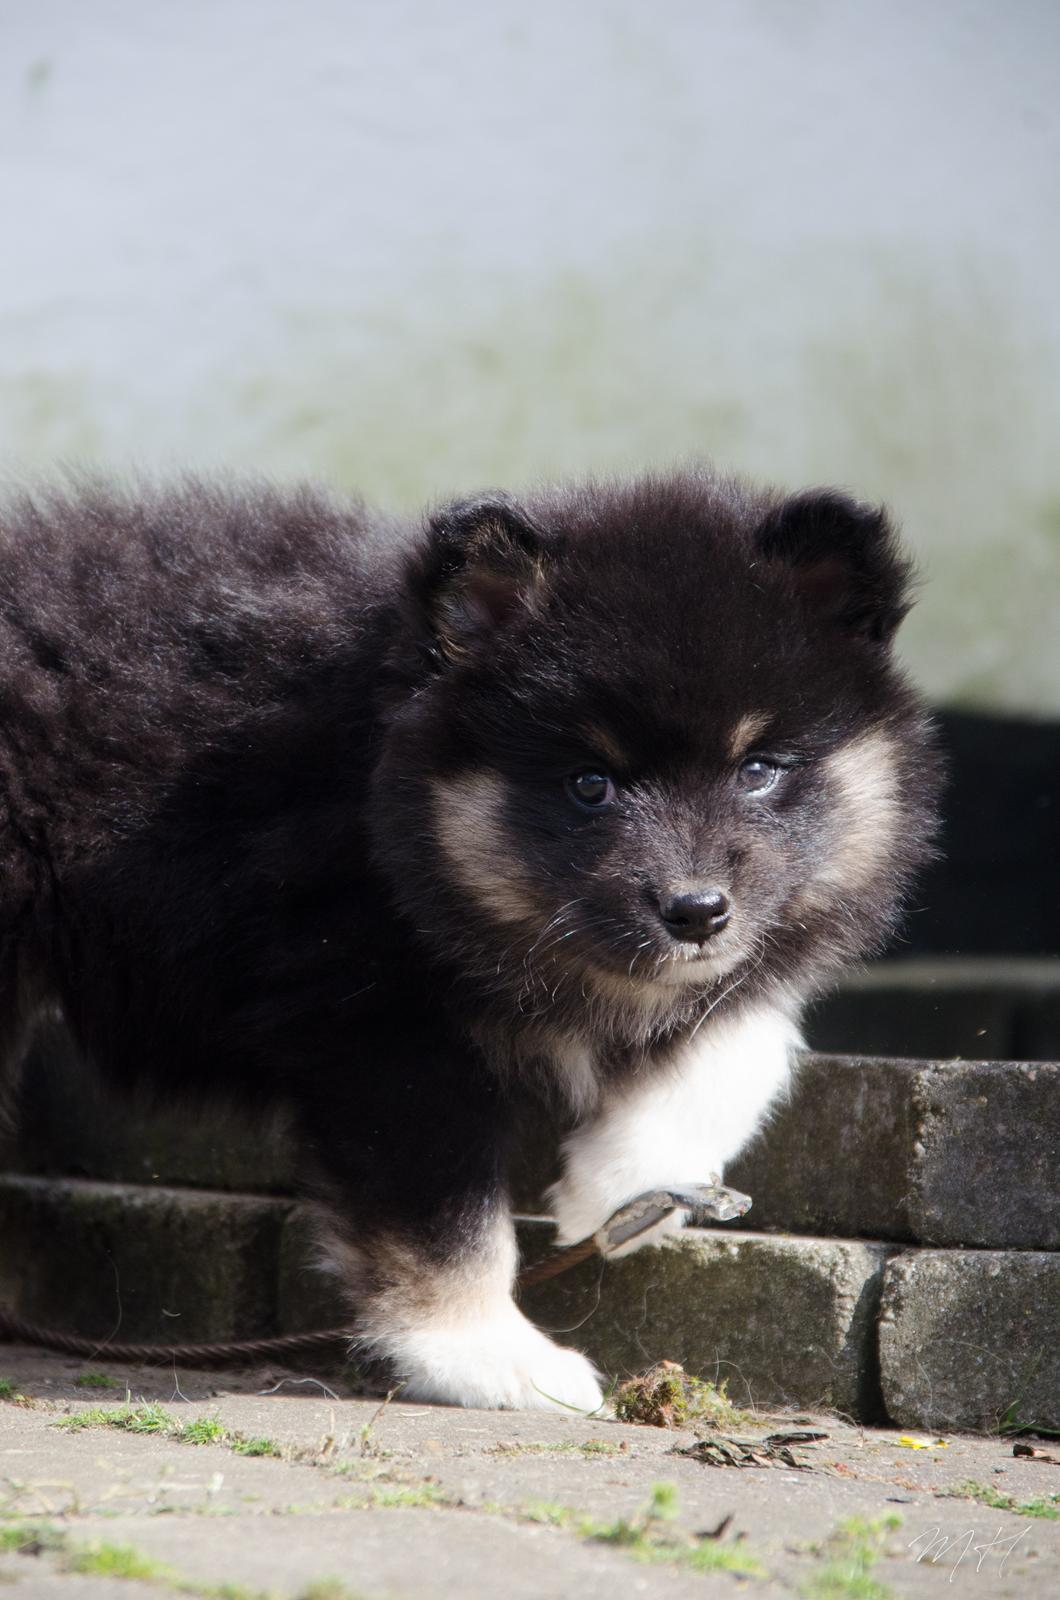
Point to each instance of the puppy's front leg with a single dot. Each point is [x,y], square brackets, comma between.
[677,1122]
[444,1320]
[418,1226]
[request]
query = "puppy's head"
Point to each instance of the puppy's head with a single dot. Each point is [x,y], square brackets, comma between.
[652,745]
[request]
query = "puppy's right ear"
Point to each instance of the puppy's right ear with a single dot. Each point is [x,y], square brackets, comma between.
[485,563]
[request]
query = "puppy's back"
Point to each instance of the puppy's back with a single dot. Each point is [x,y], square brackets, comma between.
[140,627]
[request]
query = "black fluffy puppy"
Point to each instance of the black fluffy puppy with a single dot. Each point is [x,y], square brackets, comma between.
[376,823]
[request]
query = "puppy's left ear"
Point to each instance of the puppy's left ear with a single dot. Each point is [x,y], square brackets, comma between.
[485,562]
[843,559]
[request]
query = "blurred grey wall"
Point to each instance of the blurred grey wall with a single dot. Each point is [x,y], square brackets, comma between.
[418,248]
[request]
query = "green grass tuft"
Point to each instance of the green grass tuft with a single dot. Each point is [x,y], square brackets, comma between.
[325,1589]
[31,1539]
[650,1535]
[253,1447]
[226,1591]
[102,1560]
[533,1447]
[204,1430]
[155,1419]
[400,1496]
[149,1418]
[95,1380]
[712,1556]
[852,1551]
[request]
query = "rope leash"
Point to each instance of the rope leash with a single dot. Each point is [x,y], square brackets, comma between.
[711,1202]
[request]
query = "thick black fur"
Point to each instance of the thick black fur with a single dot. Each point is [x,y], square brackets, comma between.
[224,715]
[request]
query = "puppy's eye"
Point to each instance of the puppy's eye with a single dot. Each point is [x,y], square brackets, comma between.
[591,790]
[757,775]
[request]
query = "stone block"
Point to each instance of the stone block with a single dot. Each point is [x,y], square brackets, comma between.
[834,1157]
[70,1124]
[952,1152]
[784,1320]
[132,1263]
[969,1339]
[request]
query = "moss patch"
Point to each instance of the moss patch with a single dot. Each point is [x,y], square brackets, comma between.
[666,1396]
[12,1396]
[985,1494]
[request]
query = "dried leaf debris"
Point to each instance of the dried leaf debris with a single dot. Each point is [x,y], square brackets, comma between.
[775,1450]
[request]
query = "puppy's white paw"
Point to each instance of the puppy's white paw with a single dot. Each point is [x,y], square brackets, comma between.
[577,1208]
[579,1212]
[503,1363]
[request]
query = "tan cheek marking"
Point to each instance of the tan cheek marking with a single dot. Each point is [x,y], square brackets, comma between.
[746,731]
[864,783]
[467,819]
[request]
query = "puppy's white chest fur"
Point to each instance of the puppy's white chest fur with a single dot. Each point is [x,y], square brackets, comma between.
[679,1123]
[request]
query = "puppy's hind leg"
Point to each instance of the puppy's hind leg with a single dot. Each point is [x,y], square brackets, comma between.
[419,1228]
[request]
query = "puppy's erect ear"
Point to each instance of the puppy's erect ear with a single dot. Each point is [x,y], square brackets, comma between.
[485,562]
[843,558]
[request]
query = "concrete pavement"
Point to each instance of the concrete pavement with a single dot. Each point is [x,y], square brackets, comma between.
[305,1492]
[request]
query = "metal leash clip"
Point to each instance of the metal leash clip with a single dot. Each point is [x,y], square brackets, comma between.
[704,1202]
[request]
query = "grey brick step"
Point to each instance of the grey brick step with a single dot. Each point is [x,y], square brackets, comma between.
[963,1336]
[182,1264]
[68,1123]
[954,1152]
[933,1152]
[781,1320]
[948,1153]
[970,1339]
[140,1264]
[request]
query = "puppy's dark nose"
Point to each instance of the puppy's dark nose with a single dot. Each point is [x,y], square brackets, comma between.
[695,915]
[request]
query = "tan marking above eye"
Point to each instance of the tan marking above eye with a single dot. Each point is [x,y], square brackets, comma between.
[743,735]
[603,743]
